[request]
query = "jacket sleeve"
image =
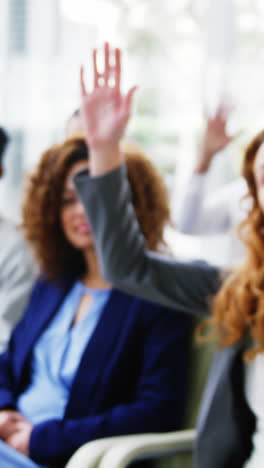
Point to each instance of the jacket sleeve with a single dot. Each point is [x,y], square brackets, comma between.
[7,359]
[156,405]
[198,213]
[124,260]
[7,396]
[7,379]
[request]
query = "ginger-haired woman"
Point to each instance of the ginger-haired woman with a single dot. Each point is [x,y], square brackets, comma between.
[231,421]
[86,361]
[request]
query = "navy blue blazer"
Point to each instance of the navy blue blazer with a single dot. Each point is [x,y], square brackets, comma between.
[131,377]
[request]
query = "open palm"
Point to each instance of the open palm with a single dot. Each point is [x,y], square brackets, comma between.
[216,137]
[105,111]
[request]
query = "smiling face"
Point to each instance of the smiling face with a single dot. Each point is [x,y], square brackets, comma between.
[73,219]
[258,170]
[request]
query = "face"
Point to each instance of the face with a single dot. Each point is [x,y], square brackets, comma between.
[74,127]
[72,215]
[258,169]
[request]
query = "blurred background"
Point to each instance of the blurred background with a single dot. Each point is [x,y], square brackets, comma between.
[186,56]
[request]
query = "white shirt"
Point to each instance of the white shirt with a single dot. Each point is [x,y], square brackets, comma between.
[17,273]
[220,212]
[254,384]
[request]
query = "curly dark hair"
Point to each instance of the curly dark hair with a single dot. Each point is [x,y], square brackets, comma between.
[42,206]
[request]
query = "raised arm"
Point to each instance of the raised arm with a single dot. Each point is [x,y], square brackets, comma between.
[196,212]
[106,196]
[215,139]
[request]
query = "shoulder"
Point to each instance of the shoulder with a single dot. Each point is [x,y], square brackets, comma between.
[17,266]
[15,245]
[43,284]
[44,292]
[237,188]
[9,233]
[40,286]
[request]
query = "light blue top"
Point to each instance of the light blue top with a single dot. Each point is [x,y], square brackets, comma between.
[57,354]
[11,458]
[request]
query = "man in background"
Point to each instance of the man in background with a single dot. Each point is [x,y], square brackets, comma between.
[17,269]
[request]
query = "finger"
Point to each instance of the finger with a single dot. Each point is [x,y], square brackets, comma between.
[95,69]
[224,113]
[16,417]
[9,430]
[82,83]
[13,440]
[5,416]
[218,119]
[225,108]
[129,98]
[226,101]
[117,69]
[106,64]
[20,425]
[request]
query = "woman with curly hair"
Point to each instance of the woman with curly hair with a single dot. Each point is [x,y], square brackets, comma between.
[86,361]
[231,421]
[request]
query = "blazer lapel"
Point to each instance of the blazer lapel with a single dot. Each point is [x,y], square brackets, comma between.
[97,352]
[220,374]
[43,309]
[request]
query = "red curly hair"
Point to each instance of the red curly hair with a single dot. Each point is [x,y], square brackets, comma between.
[238,308]
[42,206]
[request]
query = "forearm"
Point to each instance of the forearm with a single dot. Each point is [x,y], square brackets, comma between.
[187,206]
[104,160]
[198,213]
[203,163]
[53,442]
[7,398]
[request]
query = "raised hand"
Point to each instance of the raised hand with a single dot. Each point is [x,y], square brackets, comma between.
[215,138]
[105,111]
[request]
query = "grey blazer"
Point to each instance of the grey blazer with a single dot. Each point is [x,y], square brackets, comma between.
[225,424]
[17,275]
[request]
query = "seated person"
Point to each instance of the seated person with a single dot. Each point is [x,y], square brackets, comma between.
[87,361]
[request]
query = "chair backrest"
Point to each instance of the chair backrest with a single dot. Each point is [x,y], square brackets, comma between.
[200,361]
